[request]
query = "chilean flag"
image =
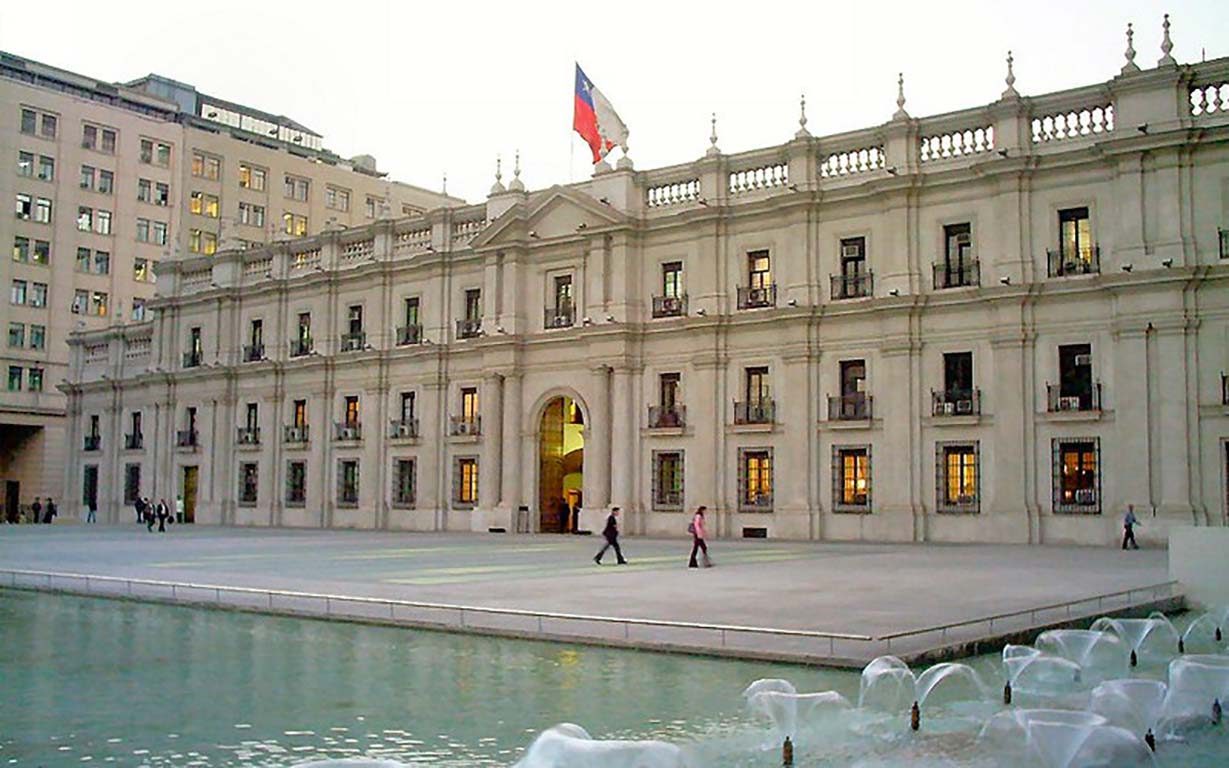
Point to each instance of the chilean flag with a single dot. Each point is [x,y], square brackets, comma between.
[595,119]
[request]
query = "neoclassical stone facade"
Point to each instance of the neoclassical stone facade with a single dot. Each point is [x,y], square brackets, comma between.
[1001,324]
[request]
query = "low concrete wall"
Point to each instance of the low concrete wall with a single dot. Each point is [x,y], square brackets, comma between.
[1199,558]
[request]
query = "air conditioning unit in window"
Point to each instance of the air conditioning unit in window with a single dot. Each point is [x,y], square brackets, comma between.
[1086,496]
[1068,403]
[403,429]
[1083,359]
[349,433]
[964,406]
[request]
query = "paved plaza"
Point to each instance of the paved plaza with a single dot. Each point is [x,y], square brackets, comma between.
[846,588]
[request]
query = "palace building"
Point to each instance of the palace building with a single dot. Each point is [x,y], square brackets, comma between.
[1002,324]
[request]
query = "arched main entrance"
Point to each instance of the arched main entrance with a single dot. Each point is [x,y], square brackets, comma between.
[561,458]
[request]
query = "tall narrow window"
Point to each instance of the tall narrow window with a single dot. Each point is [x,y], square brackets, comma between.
[1077,479]
[851,478]
[473,304]
[251,419]
[410,311]
[853,257]
[465,481]
[755,479]
[853,403]
[668,481]
[355,319]
[299,414]
[351,411]
[672,279]
[1076,389]
[759,268]
[296,483]
[347,482]
[958,371]
[469,404]
[247,483]
[958,268]
[1075,237]
[410,331]
[956,477]
[404,482]
[407,407]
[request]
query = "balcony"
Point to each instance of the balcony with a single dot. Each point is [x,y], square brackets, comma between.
[353,342]
[559,317]
[92,443]
[347,432]
[403,429]
[963,275]
[134,441]
[754,412]
[856,286]
[1086,399]
[248,436]
[461,426]
[301,347]
[670,306]
[295,434]
[855,406]
[757,298]
[409,334]
[253,353]
[667,416]
[955,402]
[191,359]
[186,438]
[1066,265]
[469,328]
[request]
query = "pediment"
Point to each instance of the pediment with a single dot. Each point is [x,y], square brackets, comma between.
[554,213]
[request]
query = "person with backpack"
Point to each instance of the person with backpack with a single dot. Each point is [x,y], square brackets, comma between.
[698,536]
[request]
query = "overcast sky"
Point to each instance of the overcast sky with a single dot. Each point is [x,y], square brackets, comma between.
[430,88]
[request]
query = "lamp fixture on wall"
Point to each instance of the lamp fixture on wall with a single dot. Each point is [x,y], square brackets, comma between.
[894,292]
[1167,263]
[1127,267]
[1005,279]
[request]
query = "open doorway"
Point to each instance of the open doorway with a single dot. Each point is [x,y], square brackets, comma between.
[561,458]
[189,495]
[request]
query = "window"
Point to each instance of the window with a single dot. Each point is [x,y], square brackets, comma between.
[337,199]
[758,389]
[24,206]
[347,482]
[256,333]
[25,164]
[305,328]
[672,279]
[155,193]
[145,188]
[956,477]
[1075,237]
[106,182]
[88,174]
[563,293]
[958,371]
[351,411]
[98,304]
[155,153]
[1076,389]
[140,270]
[204,204]
[755,479]
[853,257]
[251,178]
[42,210]
[38,336]
[1077,476]
[410,311]
[41,254]
[29,120]
[18,293]
[21,249]
[299,414]
[294,224]
[465,481]
[143,230]
[17,335]
[403,483]
[81,301]
[202,242]
[469,404]
[147,151]
[296,482]
[252,215]
[102,222]
[89,137]
[35,380]
[162,194]
[296,187]
[759,267]
[83,259]
[95,137]
[206,166]
[46,168]
[15,376]
[102,263]
[138,309]
[132,483]
[38,294]
[85,219]
[851,478]
[957,257]
[473,305]
[194,341]
[158,232]
[247,482]
[669,384]
[668,481]
[47,127]
[407,407]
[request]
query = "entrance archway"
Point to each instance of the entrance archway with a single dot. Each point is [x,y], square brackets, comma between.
[561,459]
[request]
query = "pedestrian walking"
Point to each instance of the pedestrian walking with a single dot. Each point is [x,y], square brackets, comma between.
[179,509]
[51,511]
[92,515]
[151,514]
[611,532]
[36,511]
[698,535]
[1129,521]
[163,513]
[139,504]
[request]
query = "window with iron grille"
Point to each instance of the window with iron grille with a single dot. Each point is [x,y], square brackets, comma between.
[404,483]
[851,478]
[465,481]
[755,479]
[247,483]
[132,482]
[668,481]
[958,477]
[347,482]
[1077,475]
[296,483]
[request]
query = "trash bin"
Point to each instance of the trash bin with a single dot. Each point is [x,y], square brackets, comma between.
[522,519]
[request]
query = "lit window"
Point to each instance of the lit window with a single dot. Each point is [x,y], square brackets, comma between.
[294,224]
[851,480]
[42,210]
[466,481]
[755,479]
[140,270]
[206,166]
[85,219]
[956,465]
[18,293]
[21,249]
[98,304]
[668,480]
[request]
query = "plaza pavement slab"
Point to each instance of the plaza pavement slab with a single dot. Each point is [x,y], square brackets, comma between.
[859,589]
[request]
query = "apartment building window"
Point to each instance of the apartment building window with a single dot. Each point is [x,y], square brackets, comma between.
[347,482]
[102,263]
[669,410]
[251,214]
[156,153]
[16,373]
[84,259]
[106,182]
[206,166]
[465,481]
[138,309]
[35,380]
[851,478]
[294,224]
[404,490]
[142,230]
[41,253]
[668,481]
[21,249]
[98,138]
[17,335]
[1076,390]
[298,414]
[17,295]
[145,188]
[48,125]
[102,222]
[85,219]
[24,206]
[247,482]
[38,336]
[755,479]
[957,477]
[337,199]
[373,206]
[251,177]
[296,483]
[38,295]
[153,192]
[46,168]
[151,231]
[132,483]
[88,176]
[470,411]
[958,269]
[959,396]
[89,137]
[25,164]
[760,290]
[854,280]
[853,402]
[29,121]
[81,301]
[1077,475]
[411,330]
[203,204]
[200,241]
[295,187]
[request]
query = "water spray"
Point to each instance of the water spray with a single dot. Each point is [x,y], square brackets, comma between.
[787,752]
[915,717]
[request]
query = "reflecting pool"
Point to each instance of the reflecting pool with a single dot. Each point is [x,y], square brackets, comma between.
[87,680]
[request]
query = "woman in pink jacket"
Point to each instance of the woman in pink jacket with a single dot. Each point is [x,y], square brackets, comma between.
[698,534]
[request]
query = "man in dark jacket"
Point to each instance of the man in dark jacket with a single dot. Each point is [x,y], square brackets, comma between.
[611,532]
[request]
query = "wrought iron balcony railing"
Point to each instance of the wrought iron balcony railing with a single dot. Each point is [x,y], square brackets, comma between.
[754,412]
[247,436]
[1061,264]
[295,433]
[961,275]
[856,406]
[301,347]
[666,416]
[670,306]
[459,426]
[134,441]
[353,342]
[253,352]
[757,298]
[186,438]
[409,334]
[191,359]
[92,442]
[347,431]
[1073,399]
[469,328]
[955,402]
[403,428]
[559,317]
[855,286]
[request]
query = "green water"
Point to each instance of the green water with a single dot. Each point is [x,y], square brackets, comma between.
[86,681]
